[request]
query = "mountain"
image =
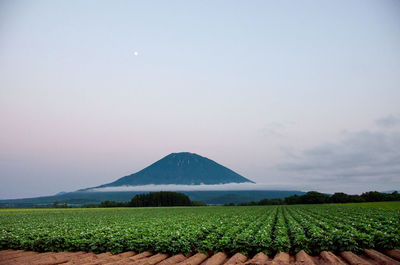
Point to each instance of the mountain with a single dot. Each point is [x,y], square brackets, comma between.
[181,169]
[176,168]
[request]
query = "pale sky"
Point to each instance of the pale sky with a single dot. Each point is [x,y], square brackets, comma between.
[291,94]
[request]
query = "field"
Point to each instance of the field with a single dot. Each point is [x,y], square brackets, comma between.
[252,229]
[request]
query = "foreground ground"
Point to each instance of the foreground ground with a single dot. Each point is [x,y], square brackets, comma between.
[248,230]
[368,257]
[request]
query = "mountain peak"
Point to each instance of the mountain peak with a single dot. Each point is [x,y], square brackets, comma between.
[183,154]
[183,168]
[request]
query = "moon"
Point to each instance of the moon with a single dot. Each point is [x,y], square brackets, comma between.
[135,53]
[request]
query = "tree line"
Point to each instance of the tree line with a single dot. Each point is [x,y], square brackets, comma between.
[152,199]
[313,197]
[168,198]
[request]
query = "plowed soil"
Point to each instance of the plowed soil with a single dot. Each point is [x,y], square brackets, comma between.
[368,257]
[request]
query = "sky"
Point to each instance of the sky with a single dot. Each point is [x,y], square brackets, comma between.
[291,94]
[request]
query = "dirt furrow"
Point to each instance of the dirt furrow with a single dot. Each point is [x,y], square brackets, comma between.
[368,257]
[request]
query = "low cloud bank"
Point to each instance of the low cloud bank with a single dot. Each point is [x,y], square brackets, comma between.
[203,187]
[361,161]
[389,121]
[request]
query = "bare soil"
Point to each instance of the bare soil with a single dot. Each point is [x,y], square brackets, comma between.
[368,257]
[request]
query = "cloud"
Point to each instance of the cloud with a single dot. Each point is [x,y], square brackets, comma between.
[360,161]
[203,187]
[389,121]
[275,128]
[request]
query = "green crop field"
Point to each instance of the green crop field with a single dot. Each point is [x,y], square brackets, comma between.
[231,229]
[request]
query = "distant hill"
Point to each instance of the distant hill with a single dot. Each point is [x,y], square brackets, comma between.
[79,198]
[181,169]
[390,191]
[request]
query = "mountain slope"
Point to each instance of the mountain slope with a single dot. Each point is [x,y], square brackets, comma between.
[181,169]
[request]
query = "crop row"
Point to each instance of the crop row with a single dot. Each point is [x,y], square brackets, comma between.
[230,229]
